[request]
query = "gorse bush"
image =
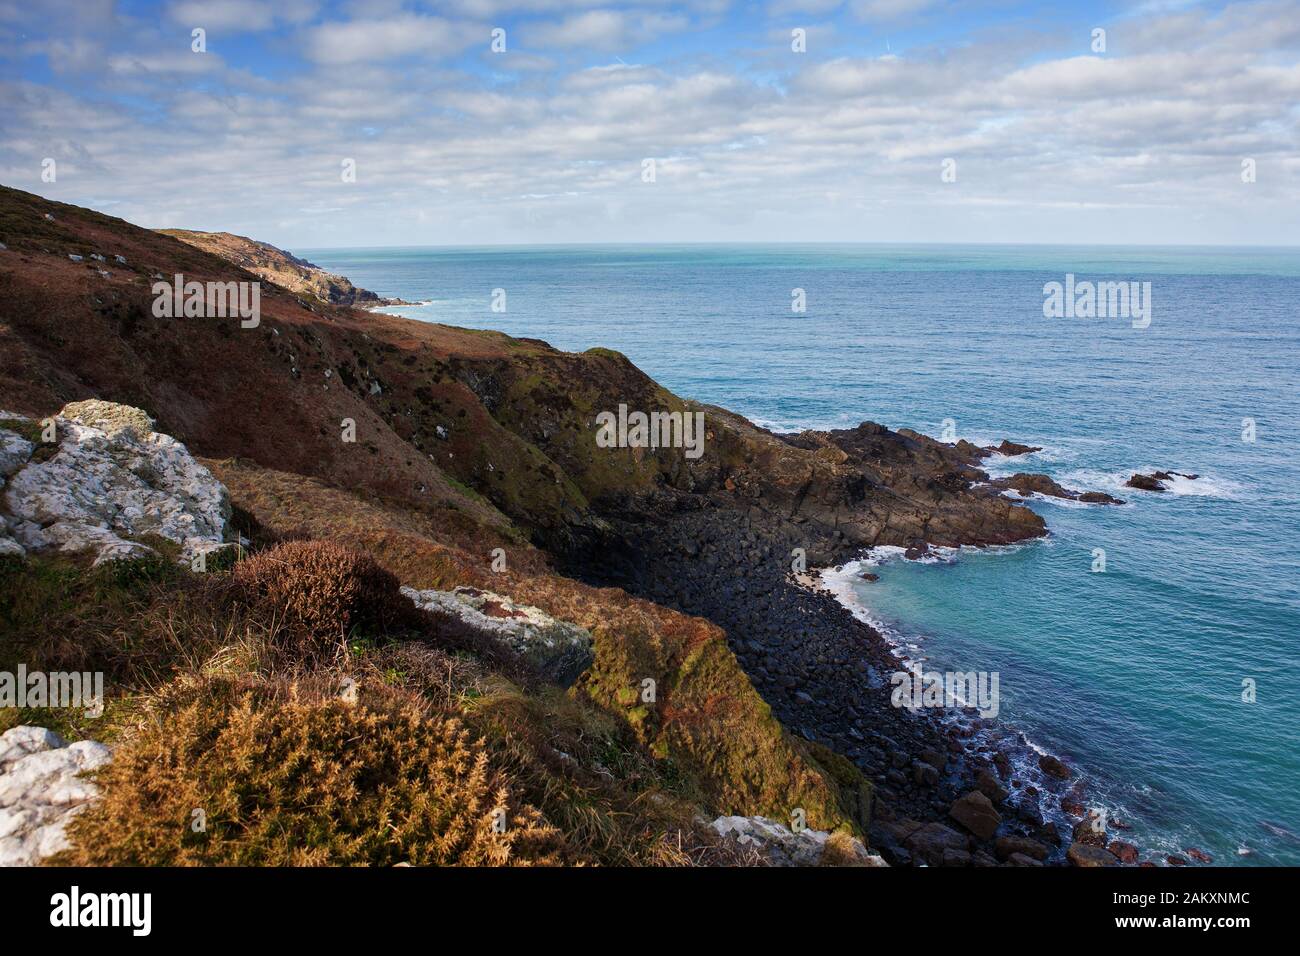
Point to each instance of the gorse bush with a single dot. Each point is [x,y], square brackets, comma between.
[321,592]
[278,781]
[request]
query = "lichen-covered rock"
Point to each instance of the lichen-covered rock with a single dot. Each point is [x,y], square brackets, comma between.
[113,479]
[558,650]
[41,789]
[781,846]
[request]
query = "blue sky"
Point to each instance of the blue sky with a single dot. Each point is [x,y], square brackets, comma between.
[902,120]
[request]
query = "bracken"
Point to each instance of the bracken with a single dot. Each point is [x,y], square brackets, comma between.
[278,781]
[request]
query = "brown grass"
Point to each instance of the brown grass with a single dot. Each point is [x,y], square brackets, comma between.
[283,781]
[322,592]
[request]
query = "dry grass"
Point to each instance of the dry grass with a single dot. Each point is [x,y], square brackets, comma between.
[322,593]
[280,780]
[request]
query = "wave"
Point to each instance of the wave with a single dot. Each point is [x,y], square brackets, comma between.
[1113,482]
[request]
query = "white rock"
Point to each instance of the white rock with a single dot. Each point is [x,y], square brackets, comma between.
[18,742]
[41,789]
[781,846]
[112,478]
[559,650]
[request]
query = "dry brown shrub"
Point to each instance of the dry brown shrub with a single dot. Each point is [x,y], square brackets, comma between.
[283,781]
[321,592]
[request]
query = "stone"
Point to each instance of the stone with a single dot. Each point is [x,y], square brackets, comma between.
[1083,855]
[1008,846]
[1020,859]
[42,788]
[558,650]
[928,842]
[988,784]
[1053,767]
[976,814]
[112,481]
[1124,852]
[781,846]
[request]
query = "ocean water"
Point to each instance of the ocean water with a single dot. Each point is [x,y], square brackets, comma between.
[1135,674]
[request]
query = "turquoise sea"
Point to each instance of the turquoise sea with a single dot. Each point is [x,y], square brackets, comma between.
[1136,674]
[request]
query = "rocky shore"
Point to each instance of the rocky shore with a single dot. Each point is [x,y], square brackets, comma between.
[950,787]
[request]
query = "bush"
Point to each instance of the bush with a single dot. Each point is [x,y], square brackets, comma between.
[283,782]
[321,593]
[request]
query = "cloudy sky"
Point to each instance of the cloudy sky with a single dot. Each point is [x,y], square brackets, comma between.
[1051,139]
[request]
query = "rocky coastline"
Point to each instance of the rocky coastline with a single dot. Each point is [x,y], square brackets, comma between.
[951,788]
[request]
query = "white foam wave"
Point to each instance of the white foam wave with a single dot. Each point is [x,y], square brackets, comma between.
[1113,482]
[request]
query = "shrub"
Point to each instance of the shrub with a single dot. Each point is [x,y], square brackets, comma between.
[322,592]
[286,782]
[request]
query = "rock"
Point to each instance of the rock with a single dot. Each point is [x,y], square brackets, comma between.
[924,774]
[21,741]
[1053,767]
[1175,861]
[1008,846]
[1073,806]
[917,551]
[928,842]
[1200,856]
[1011,449]
[955,858]
[1145,483]
[868,576]
[1089,830]
[1019,859]
[989,785]
[112,479]
[781,846]
[1081,854]
[1027,484]
[1125,852]
[558,650]
[976,814]
[109,417]
[41,789]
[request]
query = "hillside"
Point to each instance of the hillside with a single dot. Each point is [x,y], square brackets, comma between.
[467,442]
[283,268]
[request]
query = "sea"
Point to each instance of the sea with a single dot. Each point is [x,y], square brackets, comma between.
[1154,646]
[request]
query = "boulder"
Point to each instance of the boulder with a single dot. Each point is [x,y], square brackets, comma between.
[976,814]
[927,843]
[558,650]
[41,789]
[1019,859]
[1008,846]
[781,846]
[1124,852]
[1083,855]
[111,480]
[1145,483]
[1053,767]
[989,785]
[1200,856]
[1011,448]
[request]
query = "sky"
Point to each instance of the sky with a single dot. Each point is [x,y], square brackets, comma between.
[309,123]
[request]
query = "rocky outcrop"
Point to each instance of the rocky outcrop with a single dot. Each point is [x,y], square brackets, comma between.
[1027,485]
[108,481]
[780,846]
[975,812]
[41,789]
[283,268]
[1156,480]
[1085,855]
[557,650]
